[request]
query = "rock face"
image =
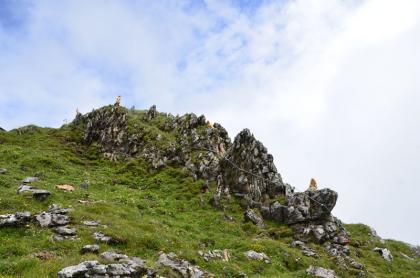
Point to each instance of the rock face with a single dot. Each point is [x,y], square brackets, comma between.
[251,215]
[182,267]
[108,127]
[55,216]
[249,170]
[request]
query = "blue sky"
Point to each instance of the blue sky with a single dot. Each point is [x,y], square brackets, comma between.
[331,87]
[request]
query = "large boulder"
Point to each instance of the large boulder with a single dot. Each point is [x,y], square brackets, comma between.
[250,171]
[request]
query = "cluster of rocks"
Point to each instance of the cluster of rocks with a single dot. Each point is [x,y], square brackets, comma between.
[119,265]
[182,267]
[38,194]
[215,254]
[57,219]
[304,248]
[342,255]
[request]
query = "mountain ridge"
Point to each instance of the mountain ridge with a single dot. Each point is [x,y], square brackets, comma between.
[174,170]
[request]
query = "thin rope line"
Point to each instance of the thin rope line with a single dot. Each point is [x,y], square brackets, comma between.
[255,175]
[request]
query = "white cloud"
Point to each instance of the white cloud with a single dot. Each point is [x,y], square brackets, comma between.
[329,86]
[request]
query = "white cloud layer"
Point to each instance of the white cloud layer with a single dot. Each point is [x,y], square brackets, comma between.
[330,87]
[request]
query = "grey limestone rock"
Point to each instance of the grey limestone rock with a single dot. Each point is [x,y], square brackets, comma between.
[17,219]
[321,272]
[182,267]
[385,253]
[253,255]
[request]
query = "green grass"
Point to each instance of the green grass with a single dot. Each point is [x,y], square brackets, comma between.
[148,212]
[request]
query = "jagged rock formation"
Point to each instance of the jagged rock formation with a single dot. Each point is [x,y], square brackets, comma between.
[193,142]
[108,127]
[250,171]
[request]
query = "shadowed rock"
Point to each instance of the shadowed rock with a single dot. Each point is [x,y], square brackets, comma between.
[13,220]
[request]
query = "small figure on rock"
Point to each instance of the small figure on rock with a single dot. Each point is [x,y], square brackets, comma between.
[118,101]
[312,185]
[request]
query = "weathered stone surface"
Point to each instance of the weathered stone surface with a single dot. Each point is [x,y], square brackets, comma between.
[182,267]
[13,220]
[3,171]
[310,205]
[253,255]
[249,170]
[108,127]
[321,272]
[90,249]
[251,215]
[385,253]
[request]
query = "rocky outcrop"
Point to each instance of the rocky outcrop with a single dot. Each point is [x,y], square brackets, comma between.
[248,170]
[305,249]
[108,127]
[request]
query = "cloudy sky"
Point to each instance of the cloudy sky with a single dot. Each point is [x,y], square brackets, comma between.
[331,87]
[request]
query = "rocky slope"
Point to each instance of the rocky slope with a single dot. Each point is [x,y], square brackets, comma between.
[127,193]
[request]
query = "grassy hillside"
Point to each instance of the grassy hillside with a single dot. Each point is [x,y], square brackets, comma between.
[149,211]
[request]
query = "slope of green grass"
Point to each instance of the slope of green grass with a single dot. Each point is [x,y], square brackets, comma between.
[148,211]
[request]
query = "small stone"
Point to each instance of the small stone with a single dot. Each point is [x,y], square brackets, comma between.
[90,249]
[65,231]
[103,238]
[113,256]
[30,179]
[90,223]
[3,171]
[84,185]
[252,255]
